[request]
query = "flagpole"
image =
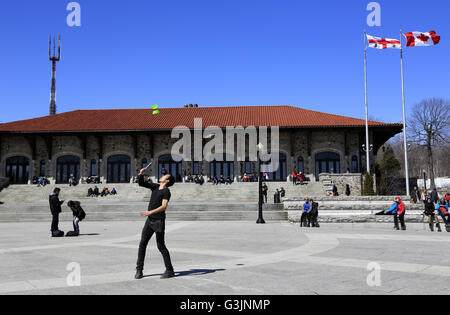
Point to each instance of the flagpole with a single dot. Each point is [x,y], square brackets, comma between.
[404,118]
[367,108]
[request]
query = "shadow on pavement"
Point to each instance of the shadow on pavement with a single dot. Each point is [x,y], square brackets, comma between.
[192,272]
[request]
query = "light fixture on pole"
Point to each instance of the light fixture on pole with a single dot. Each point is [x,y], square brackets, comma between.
[260,220]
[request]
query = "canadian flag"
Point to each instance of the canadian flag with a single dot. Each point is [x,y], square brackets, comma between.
[422,39]
[383,43]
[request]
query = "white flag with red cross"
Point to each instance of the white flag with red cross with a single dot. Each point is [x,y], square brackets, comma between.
[383,43]
[422,39]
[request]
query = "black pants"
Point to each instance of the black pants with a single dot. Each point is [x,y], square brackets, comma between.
[55,222]
[446,218]
[265,197]
[304,219]
[400,217]
[150,227]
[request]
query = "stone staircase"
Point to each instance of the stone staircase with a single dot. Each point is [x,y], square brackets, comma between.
[189,202]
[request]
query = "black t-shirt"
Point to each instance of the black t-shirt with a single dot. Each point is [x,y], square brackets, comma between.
[158,195]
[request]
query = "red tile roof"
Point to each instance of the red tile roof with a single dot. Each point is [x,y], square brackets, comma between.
[168,118]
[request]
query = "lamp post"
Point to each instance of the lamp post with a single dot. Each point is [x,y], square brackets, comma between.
[260,220]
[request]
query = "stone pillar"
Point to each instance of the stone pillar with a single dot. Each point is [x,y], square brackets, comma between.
[133,168]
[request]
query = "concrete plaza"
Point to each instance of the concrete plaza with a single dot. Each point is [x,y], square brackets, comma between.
[227,258]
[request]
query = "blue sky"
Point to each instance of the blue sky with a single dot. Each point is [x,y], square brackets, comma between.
[133,54]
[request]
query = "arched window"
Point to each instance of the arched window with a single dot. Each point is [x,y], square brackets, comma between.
[300,165]
[67,166]
[327,162]
[119,169]
[42,168]
[224,167]
[354,164]
[169,165]
[93,167]
[17,169]
[280,175]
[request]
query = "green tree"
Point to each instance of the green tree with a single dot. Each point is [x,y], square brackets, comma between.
[389,169]
[368,185]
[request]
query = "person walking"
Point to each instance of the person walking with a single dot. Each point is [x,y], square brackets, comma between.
[55,210]
[431,214]
[155,223]
[415,194]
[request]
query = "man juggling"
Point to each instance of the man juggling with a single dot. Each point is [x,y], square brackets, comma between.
[155,223]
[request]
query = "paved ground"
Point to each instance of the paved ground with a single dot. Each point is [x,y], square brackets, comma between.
[227,258]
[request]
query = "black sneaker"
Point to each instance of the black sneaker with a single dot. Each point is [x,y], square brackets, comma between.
[168,274]
[139,274]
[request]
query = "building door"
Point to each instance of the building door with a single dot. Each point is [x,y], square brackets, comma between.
[280,174]
[327,162]
[167,163]
[17,169]
[67,166]
[119,168]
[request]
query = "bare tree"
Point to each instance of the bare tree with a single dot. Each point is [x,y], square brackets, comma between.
[429,128]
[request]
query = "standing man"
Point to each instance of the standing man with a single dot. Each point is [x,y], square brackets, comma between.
[156,218]
[400,215]
[55,209]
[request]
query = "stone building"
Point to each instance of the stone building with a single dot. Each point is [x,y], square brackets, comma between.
[115,144]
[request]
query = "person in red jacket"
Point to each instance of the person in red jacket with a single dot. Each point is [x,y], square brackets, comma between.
[400,215]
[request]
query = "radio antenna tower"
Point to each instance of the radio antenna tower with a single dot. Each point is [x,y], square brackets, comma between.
[53,58]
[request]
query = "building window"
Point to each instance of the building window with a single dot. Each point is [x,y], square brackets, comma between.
[42,168]
[119,169]
[169,165]
[300,165]
[67,166]
[196,168]
[93,167]
[17,169]
[354,164]
[222,168]
[248,166]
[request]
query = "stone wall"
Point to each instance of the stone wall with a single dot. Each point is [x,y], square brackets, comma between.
[341,181]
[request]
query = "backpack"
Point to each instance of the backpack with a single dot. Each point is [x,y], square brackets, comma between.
[443,210]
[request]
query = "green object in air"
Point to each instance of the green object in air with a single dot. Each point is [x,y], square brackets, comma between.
[155,109]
